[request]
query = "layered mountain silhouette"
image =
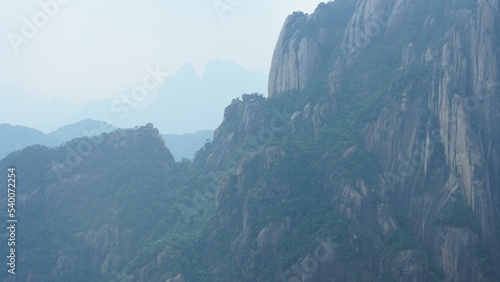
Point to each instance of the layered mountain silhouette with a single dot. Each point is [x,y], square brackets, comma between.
[185,103]
[13,138]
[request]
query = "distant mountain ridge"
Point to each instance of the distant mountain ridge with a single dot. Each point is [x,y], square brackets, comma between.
[87,127]
[186,145]
[13,138]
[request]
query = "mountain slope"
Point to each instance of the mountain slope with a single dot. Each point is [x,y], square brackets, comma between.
[93,218]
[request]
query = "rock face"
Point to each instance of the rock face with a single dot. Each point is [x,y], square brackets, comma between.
[436,138]
[295,58]
[243,122]
[446,136]
[300,52]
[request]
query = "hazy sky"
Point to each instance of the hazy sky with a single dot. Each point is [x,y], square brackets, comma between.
[83,50]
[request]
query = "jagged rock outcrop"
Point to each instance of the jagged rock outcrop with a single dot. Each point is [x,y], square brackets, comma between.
[312,118]
[304,45]
[247,126]
[293,66]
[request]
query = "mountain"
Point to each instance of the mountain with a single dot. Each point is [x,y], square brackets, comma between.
[186,145]
[17,137]
[417,81]
[374,158]
[87,127]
